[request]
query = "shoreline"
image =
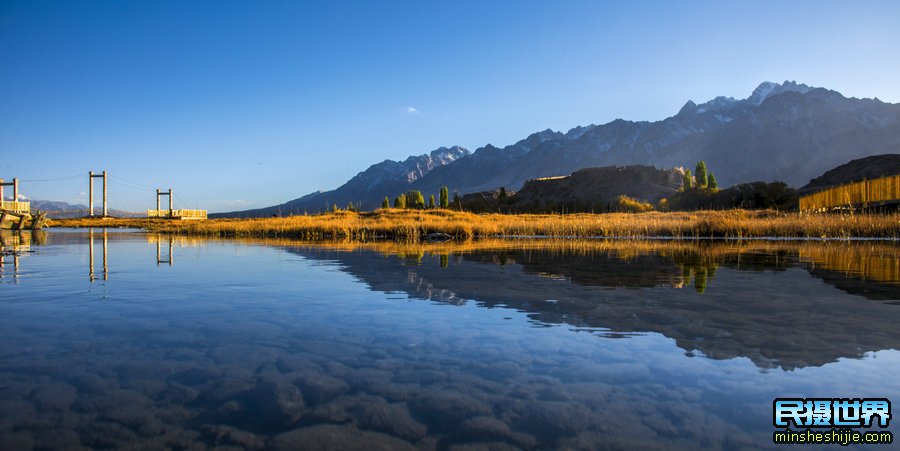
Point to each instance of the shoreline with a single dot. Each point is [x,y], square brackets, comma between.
[415,225]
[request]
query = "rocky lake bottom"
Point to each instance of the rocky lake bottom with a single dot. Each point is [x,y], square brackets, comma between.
[126,340]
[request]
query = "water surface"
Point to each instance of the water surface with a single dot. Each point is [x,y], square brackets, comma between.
[113,339]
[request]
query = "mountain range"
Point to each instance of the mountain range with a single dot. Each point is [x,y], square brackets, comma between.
[786,132]
[58,210]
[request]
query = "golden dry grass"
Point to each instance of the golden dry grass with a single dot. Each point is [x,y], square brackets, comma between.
[414,224]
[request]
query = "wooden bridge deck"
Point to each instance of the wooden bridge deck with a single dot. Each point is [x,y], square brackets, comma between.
[865,194]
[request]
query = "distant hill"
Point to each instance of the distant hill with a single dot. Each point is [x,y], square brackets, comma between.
[863,168]
[595,188]
[60,210]
[586,190]
[786,132]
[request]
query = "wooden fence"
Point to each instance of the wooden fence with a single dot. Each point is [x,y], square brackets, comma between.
[15,207]
[864,194]
[177,214]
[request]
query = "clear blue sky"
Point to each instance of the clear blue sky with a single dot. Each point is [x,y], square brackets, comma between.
[248,104]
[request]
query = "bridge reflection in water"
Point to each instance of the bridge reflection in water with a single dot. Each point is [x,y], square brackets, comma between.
[17,244]
[169,258]
[105,234]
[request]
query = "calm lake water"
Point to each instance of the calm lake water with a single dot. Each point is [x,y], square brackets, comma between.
[117,339]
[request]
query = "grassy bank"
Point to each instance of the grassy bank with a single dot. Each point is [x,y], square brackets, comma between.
[414,224]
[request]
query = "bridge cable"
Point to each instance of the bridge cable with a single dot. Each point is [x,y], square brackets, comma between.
[52,179]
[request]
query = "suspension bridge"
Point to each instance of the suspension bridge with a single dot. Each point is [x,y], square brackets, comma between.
[16,213]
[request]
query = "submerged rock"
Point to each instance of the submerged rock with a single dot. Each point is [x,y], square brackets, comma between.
[319,387]
[554,418]
[16,440]
[445,410]
[492,429]
[370,412]
[91,383]
[329,437]
[196,376]
[228,436]
[55,396]
[273,404]
[484,446]
[482,428]
[268,406]
[393,419]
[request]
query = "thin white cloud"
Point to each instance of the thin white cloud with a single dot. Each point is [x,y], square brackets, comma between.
[412,110]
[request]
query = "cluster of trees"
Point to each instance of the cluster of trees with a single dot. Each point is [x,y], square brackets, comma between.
[751,196]
[703,177]
[700,191]
[414,199]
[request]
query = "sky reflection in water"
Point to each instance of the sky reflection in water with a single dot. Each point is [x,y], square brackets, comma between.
[272,343]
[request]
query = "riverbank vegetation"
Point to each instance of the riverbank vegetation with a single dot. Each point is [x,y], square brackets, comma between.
[397,224]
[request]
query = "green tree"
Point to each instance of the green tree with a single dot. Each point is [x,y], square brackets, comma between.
[502,195]
[400,201]
[713,185]
[386,203]
[445,197]
[688,181]
[420,200]
[701,174]
[415,199]
[457,201]
[335,209]
[431,201]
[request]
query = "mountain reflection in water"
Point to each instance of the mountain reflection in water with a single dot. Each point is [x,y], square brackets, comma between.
[122,339]
[693,292]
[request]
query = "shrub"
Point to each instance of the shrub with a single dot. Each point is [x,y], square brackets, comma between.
[627,204]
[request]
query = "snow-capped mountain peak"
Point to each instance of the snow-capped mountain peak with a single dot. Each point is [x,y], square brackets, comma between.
[768,89]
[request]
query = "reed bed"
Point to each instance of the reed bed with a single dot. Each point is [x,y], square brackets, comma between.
[414,225]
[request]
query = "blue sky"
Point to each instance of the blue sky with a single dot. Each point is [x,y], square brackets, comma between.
[247,104]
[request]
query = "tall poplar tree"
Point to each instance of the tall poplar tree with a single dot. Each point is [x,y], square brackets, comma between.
[701,173]
[445,197]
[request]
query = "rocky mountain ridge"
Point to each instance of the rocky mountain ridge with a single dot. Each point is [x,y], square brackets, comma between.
[786,132]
